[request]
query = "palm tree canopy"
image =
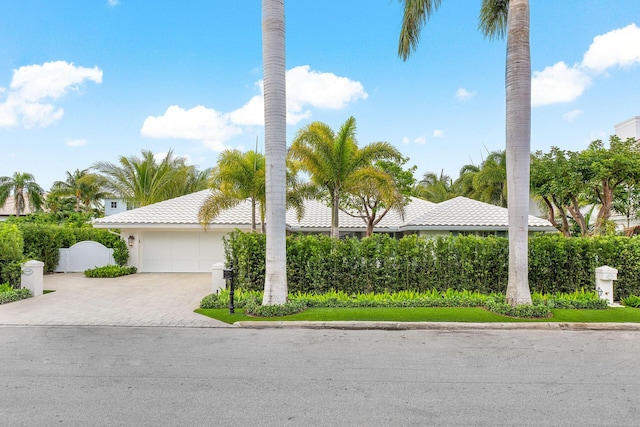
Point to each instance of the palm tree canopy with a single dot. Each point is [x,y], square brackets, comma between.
[144,181]
[83,187]
[22,186]
[334,161]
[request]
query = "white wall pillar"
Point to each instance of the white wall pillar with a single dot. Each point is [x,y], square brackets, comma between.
[32,277]
[605,276]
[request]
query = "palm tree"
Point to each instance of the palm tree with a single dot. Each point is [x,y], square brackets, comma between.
[435,188]
[83,187]
[334,161]
[275,120]
[498,17]
[487,182]
[144,181]
[23,187]
[237,176]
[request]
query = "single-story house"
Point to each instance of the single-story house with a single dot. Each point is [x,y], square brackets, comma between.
[167,237]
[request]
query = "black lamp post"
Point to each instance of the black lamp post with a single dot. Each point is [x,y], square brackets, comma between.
[229,275]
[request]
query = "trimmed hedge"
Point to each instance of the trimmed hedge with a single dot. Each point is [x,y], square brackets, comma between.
[43,241]
[14,295]
[109,271]
[380,263]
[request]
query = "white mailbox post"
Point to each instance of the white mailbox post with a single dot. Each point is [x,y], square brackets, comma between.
[217,280]
[605,276]
[32,277]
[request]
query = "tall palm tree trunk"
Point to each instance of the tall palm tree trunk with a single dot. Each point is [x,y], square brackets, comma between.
[335,205]
[518,135]
[273,57]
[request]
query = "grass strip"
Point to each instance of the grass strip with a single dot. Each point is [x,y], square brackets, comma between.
[430,314]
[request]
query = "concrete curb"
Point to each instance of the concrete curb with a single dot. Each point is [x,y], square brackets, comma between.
[444,326]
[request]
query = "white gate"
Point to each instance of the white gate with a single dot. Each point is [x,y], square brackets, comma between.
[83,256]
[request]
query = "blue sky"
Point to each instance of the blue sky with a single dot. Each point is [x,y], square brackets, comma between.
[90,80]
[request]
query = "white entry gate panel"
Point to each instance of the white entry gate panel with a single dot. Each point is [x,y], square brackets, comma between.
[180,251]
[83,256]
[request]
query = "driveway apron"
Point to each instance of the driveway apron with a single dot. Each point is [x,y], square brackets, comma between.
[143,299]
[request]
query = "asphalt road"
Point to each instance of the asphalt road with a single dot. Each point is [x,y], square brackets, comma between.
[84,376]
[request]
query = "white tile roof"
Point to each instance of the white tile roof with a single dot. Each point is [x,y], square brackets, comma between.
[456,214]
[463,213]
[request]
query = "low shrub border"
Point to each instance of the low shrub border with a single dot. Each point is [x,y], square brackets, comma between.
[14,295]
[109,271]
[541,307]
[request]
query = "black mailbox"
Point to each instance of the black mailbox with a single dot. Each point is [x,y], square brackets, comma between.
[227,274]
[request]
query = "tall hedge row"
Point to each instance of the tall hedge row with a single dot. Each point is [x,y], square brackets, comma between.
[319,263]
[43,241]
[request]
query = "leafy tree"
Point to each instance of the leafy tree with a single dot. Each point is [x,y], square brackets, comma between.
[144,181]
[23,187]
[608,170]
[627,203]
[497,18]
[336,164]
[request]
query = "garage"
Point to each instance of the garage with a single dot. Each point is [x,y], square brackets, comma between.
[180,251]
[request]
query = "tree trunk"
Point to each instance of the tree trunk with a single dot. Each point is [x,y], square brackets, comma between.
[275,120]
[518,135]
[574,210]
[253,215]
[607,202]
[335,226]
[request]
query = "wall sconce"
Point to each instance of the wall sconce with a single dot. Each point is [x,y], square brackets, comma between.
[131,240]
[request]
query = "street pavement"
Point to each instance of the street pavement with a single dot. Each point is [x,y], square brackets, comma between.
[95,376]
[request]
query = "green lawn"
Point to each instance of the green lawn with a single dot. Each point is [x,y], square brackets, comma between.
[437,314]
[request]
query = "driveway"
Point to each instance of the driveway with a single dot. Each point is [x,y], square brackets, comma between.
[143,299]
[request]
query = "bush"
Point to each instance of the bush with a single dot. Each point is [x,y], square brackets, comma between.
[631,301]
[253,308]
[11,243]
[120,252]
[109,271]
[14,295]
[11,272]
[221,299]
[500,306]
[317,264]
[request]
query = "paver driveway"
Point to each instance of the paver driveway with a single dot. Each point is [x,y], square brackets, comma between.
[143,299]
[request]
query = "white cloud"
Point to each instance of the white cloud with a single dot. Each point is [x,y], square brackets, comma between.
[558,83]
[75,142]
[113,3]
[406,140]
[305,89]
[620,47]
[421,140]
[199,123]
[33,88]
[438,133]
[572,115]
[464,94]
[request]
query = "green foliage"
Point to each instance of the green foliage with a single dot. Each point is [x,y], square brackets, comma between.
[579,299]
[109,271]
[631,301]
[500,306]
[5,287]
[254,309]
[43,241]
[221,299]
[11,272]
[14,295]
[120,252]
[317,264]
[11,243]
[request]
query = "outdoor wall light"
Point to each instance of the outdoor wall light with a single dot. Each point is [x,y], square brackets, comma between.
[599,290]
[131,240]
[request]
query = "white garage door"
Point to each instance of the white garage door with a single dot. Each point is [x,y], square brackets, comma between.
[181,252]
